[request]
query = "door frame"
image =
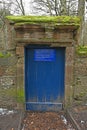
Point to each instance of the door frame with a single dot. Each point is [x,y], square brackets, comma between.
[69,62]
[58,106]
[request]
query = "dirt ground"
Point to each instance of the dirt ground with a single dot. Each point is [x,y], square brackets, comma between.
[79,114]
[10,120]
[46,121]
[15,120]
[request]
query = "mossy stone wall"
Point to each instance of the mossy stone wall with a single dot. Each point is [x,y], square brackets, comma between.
[80,77]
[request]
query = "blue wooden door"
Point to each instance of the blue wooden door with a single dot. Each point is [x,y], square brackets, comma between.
[44,78]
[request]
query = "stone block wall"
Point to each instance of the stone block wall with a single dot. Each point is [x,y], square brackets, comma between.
[80,77]
[1,39]
[8,89]
[8,85]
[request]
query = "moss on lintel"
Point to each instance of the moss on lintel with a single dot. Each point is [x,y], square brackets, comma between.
[81,50]
[64,20]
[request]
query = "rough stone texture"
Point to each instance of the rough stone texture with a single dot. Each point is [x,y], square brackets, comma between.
[69,74]
[1,40]
[8,86]
[36,34]
[8,89]
[80,75]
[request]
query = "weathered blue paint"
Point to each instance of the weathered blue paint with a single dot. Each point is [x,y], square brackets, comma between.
[44,78]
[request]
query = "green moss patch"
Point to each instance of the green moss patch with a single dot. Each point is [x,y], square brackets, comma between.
[20,96]
[5,55]
[44,19]
[81,50]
